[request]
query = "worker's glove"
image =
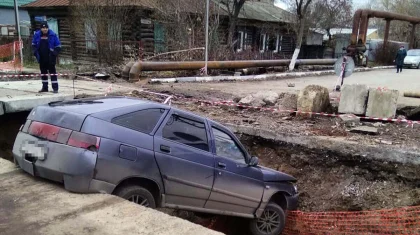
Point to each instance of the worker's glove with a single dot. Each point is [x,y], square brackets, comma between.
[56,51]
[36,56]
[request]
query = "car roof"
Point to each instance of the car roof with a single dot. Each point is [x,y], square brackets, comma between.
[94,105]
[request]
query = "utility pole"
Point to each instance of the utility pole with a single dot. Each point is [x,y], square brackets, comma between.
[207,37]
[18,30]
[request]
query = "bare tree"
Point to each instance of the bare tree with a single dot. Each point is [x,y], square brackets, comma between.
[233,8]
[184,26]
[101,23]
[302,9]
[328,14]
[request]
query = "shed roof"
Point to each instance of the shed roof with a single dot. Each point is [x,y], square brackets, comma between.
[10,3]
[64,3]
[261,11]
[48,3]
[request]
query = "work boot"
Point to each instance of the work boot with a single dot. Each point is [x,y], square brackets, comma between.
[43,90]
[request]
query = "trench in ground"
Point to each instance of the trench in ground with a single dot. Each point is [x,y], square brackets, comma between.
[327,181]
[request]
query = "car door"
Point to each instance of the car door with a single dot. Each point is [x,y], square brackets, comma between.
[182,150]
[238,188]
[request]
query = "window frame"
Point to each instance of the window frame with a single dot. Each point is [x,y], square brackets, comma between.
[240,42]
[235,140]
[263,40]
[91,37]
[192,118]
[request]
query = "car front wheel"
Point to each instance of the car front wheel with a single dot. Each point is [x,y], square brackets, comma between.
[138,195]
[271,222]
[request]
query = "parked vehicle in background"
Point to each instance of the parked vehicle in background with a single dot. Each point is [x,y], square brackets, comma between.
[154,155]
[412,60]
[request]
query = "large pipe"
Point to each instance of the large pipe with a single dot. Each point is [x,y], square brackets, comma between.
[140,66]
[360,28]
[412,36]
[386,37]
[363,28]
[356,24]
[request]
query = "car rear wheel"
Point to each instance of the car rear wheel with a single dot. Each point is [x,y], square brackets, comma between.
[271,222]
[138,195]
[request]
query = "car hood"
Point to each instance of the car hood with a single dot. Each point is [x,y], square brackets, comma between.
[411,59]
[270,175]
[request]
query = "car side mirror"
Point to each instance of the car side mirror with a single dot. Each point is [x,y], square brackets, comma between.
[253,161]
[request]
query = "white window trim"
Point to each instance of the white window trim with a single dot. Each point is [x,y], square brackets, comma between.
[241,42]
[277,44]
[264,36]
[280,43]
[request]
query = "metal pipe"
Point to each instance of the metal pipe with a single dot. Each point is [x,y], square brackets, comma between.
[356,24]
[127,68]
[360,28]
[386,36]
[140,66]
[17,20]
[412,37]
[361,39]
[206,59]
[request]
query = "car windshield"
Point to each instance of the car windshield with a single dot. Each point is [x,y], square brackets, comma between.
[413,53]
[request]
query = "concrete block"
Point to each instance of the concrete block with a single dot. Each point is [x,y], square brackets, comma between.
[186,79]
[350,120]
[365,130]
[382,103]
[287,101]
[313,98]
[353,99]
[27,103]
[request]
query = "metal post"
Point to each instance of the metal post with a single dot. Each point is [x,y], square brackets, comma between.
[18,31]
[387,26]
[207,37]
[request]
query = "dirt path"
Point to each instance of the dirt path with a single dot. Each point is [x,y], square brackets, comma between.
[406,81]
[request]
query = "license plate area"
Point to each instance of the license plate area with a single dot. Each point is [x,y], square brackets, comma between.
[34,150]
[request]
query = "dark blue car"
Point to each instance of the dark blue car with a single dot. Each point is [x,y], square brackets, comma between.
[154,155]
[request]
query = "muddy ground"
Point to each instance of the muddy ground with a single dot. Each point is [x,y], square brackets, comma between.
[328,181]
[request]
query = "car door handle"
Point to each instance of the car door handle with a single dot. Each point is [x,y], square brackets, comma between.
[165,149]
[221,165]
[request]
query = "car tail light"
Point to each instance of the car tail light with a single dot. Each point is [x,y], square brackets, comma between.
[82,140]
[64,136]
[49,132]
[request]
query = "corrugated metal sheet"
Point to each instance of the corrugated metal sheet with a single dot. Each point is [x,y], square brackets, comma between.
[48,3]
[59,3]
[10,3]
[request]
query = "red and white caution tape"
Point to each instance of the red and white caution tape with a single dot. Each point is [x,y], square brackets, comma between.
[231,103]
[32,75]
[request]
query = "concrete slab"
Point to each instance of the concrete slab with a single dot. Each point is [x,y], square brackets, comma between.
[17,96]
[353,99]
[30,206]
[382,103]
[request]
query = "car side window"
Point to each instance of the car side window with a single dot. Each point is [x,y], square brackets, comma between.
[227,147]
[186,131]
[143,121]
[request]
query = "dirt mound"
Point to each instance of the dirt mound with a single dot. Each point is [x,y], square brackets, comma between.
[333,182]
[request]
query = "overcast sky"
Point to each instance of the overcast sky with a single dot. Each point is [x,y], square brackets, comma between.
[356,3]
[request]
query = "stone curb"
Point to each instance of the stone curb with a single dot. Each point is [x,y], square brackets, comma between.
[378,153]
[258,77]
